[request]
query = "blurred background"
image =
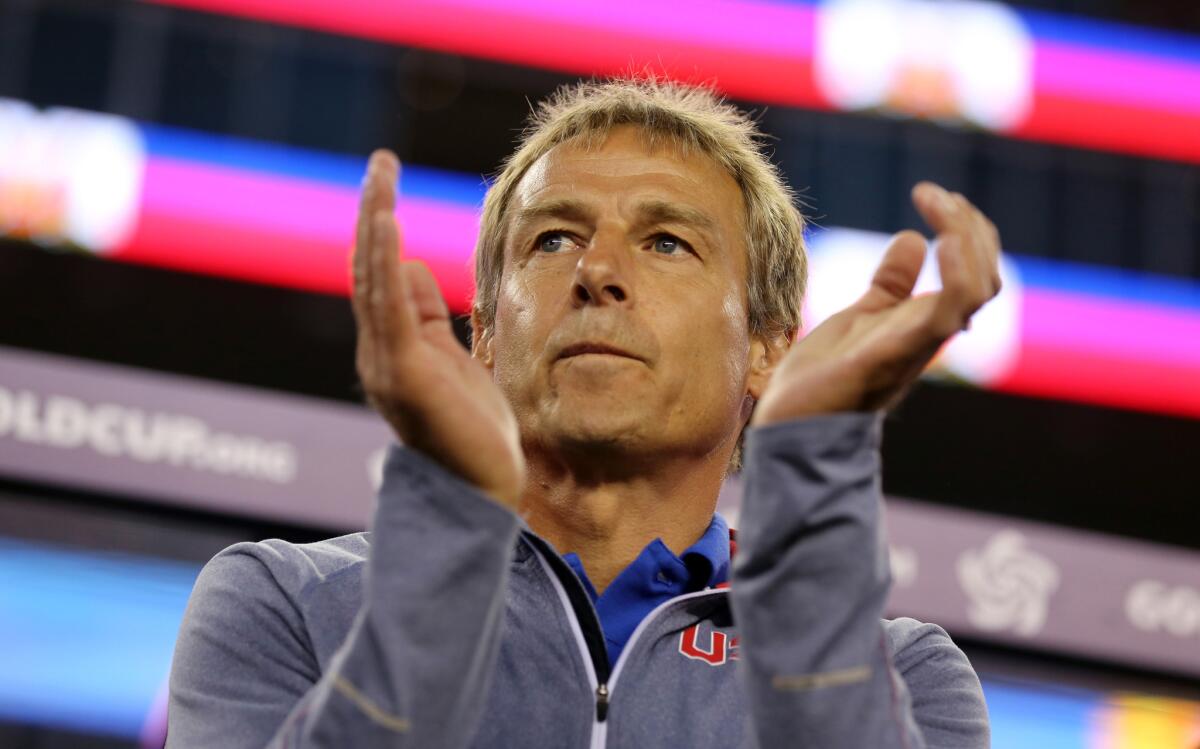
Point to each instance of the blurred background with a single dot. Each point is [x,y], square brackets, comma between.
[177,195]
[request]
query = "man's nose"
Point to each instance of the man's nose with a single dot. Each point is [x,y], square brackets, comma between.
[602,274]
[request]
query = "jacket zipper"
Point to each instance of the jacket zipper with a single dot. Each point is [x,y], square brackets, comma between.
[601,702]
[599,678]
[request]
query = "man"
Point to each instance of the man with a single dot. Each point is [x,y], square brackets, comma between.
[545,567]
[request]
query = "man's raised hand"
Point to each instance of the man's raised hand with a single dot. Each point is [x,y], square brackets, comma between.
[415,372]
[865,357]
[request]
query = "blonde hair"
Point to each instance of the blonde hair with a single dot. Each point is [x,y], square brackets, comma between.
[695,120]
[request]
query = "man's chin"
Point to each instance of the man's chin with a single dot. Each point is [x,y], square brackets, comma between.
[605,413]
[595,422]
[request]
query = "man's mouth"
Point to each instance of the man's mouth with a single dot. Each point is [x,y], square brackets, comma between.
[581,349]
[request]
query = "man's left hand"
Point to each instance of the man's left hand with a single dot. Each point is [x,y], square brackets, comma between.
[865,357]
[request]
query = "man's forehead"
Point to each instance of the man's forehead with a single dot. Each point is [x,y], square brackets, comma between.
[623,159]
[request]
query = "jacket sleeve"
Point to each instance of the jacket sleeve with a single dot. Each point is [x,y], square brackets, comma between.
[809,584]
[416,666]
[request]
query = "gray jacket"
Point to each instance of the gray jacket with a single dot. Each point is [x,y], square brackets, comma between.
[452,625]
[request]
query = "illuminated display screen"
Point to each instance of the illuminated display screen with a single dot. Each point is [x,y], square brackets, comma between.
[285,216]
[1029,714]
[88,641]
[87,636]
[1039,76]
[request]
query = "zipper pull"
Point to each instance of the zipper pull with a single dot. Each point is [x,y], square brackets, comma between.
[601,702]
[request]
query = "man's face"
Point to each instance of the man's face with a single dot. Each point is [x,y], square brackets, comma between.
[621,320]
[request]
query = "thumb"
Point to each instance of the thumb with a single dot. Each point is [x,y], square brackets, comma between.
[424,291]
[897,273]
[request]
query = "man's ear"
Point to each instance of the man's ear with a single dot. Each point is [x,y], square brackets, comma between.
[481,339]
[765,355]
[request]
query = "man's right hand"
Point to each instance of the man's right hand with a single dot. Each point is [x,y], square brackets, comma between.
[436,397]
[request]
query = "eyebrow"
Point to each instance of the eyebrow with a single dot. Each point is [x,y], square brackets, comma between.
[649,212]
[662,212]
[563,208]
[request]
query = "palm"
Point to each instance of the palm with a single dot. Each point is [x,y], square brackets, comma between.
[437,398]
[865,357]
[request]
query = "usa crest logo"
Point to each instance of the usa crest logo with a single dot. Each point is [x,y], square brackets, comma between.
[716,649]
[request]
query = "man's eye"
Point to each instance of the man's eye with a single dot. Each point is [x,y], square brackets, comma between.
[554,241]
[667,245]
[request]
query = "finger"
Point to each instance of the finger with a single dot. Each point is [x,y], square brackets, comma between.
[360,259]
[951,213]
[984,242]
[392,323]
[384,169]
[427,301]
[370,283]
[939,208]
[377,192]
[990,240]
[897,273]
[361,280]
[975,247]
[392,314]
[959,297]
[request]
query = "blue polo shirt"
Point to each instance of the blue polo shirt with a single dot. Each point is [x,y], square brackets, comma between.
[654,577]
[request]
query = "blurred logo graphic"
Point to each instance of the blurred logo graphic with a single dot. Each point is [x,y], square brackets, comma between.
[969,61]
[68,177]
[842,262]
[119,431]
[1007,584]
[1154,606]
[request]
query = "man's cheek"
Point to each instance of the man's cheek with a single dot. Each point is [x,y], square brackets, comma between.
[518,308]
